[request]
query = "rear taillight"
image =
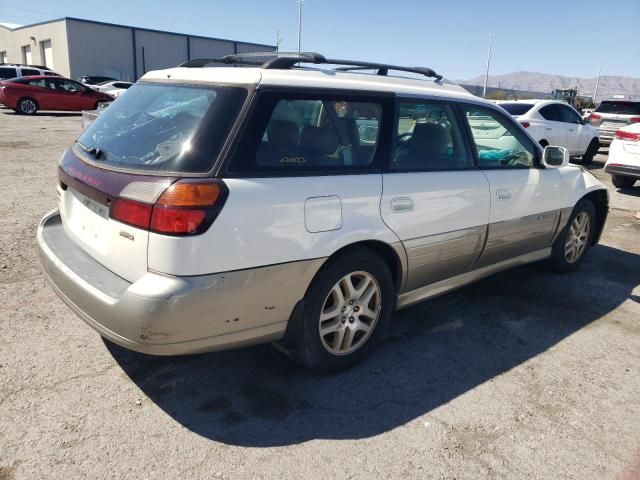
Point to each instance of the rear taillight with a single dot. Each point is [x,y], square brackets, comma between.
[628,136]
[187,207]
[595,119]
[525,124]
[634,119]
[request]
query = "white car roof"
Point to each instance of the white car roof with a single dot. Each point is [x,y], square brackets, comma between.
[312,78]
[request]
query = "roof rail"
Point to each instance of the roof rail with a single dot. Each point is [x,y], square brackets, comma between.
[287,60]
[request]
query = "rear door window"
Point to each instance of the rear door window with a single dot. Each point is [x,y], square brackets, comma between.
[29,71]
[291,133]
[552,113]
[429,138]
[40,82]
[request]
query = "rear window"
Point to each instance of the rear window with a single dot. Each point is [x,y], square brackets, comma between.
[619,108]
[6,72]
[517,108]
[162,127]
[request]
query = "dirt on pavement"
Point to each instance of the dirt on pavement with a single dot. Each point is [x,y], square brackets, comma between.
[525,374]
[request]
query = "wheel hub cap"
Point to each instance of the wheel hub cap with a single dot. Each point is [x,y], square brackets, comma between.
[577,237]
[349,313]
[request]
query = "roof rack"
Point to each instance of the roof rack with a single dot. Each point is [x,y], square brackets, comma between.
[287,60]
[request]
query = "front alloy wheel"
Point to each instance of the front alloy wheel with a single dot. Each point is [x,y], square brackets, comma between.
[577,237]
[349,313]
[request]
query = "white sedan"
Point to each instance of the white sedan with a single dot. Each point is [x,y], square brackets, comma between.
[114,88]
[552,122]
[624,157]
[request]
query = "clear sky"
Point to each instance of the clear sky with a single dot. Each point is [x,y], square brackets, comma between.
[451,36]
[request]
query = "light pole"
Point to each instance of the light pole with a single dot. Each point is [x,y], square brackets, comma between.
[486,73]
[299,2]
[595,91]
[278,40]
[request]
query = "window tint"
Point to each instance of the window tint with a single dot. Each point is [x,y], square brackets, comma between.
[569,115]
[29,71]
[517,108]
[6,72]
[499,141]
[429,138]
[50,74]
[619,107]
[552,113]
[169,127]
[310,133]
[121,85]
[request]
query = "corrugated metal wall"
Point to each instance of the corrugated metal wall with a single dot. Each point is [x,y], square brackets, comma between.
[156,51]
[205,48]
[96,49]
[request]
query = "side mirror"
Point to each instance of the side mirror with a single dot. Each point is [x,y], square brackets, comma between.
[555,157]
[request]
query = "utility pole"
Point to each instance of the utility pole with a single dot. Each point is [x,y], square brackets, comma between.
[595,91]
[486,73]
[278,40]
[300,2]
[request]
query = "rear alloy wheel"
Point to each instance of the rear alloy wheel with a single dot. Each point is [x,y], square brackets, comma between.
[27,106]
[346,311]
[592,151]
[620,181]
[571,246]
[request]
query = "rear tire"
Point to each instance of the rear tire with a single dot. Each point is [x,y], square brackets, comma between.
[27,106]
[575,239]
[620,181]
[592,151]
[346,311]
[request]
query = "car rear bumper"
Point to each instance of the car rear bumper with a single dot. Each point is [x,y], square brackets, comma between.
[168,315]
[606,135]
[623,170]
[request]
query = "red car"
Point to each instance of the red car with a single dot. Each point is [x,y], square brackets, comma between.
[29,94]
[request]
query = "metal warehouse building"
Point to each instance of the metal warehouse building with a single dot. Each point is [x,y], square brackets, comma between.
[74,47]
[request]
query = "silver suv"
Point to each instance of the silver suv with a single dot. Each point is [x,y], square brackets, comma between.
[611,115]
[14,70]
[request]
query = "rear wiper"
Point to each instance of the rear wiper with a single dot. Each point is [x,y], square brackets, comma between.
[95,152]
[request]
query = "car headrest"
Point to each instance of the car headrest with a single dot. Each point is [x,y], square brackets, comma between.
[429,139]
[323,140]
[282,132]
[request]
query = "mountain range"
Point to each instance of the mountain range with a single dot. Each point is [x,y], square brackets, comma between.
[543,82]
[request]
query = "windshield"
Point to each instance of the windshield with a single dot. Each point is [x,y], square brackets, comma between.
[619,107]
[164,127]
[517,108]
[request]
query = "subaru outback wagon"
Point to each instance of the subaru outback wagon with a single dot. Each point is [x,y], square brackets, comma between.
[299,201]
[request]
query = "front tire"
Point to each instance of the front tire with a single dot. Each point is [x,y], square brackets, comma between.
[570,248]
[620,181]
[346,311]
[592,151]
[27,106]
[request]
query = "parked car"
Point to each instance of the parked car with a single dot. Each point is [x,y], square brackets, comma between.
[611,115]
[624,157]
[112,88]
[95,79]
[11,70]
[27,95]
[553,122]
[200,212]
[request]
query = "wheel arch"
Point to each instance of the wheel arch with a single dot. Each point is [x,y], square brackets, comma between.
[600,200]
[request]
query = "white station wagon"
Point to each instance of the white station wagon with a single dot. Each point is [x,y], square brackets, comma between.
[299,201]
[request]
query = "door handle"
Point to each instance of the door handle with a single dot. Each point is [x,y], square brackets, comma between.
[401,204]
[503,194]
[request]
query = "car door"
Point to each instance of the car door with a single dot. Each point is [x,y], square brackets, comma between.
[72,96]
[525,198]
[555,128]
[41,93]
[434,198]
[577,141]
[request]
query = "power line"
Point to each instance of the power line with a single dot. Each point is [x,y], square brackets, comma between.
[26,10]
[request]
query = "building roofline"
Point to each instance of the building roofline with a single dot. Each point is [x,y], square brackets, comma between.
[95,22]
